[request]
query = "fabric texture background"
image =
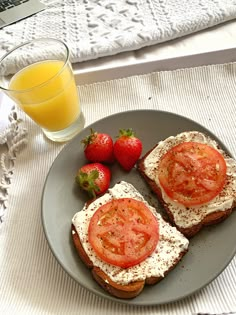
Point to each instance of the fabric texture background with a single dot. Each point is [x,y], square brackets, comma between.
[97,28]
[32,282]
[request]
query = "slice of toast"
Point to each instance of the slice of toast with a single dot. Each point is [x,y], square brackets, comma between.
[128,283]
[190,220]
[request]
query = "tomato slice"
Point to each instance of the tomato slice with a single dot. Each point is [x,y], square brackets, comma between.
[123,232]
[192,173]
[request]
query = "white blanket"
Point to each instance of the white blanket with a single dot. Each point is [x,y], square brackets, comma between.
[96,28]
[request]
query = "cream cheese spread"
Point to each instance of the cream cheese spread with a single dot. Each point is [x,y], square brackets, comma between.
[169,248]
[188,217]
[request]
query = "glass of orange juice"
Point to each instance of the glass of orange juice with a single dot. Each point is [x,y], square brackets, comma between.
[38,76]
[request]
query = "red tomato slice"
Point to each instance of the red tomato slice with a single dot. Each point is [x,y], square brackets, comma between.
[192,173]
[123,232]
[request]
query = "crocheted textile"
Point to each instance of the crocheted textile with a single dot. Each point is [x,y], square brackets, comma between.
[14,139]
[96,28]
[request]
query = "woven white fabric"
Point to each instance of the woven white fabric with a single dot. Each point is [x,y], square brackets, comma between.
[32,282]
[12,140]
[96,28]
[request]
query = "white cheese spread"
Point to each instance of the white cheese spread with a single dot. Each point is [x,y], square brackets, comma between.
[169,248]
[187,217]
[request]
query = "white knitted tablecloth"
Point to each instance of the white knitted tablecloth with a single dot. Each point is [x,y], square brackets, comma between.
[96,28]
[32,282]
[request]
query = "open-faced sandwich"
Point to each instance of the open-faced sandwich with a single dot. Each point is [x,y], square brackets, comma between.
[193,178]
[125,242]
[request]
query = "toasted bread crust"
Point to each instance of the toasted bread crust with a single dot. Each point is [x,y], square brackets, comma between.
[84,257]
[121,291]
[128,291]
[210,219]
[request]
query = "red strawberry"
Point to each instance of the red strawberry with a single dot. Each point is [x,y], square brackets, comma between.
[94,178]
[98,147]
[127,149]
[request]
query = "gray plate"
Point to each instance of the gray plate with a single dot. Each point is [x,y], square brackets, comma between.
[207,256]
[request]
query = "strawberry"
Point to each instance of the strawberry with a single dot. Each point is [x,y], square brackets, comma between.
[98,147]
[94,178]
[127,149]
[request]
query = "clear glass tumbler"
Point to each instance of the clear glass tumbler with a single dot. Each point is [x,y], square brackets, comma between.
[38,76]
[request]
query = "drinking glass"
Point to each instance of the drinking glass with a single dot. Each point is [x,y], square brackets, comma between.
[39,78]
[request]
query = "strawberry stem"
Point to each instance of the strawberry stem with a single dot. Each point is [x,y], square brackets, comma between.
[90,138]
[87,182]
[126,132]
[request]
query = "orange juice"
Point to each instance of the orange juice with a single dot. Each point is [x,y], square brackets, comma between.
[47,93]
